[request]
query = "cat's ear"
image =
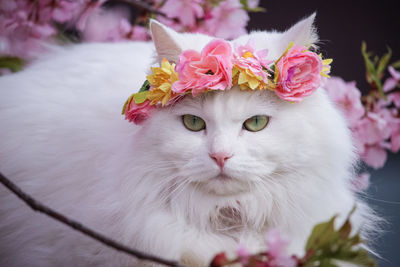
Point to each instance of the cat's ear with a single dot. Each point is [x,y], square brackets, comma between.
[165,41]
[302,33]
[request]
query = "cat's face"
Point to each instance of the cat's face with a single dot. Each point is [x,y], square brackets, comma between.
[204,142]
[216,151]
[206,139]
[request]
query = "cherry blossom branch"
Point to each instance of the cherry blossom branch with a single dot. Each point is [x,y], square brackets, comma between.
[37,206]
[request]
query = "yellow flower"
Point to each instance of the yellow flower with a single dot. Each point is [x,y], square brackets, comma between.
[245,78]
[325,67]
[161,80]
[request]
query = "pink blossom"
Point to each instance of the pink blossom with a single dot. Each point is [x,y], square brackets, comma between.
[138,113]
[185,10]
[171,23]
[7,6]
[253,3]
[25,25]
[210,69]
[64,11]
[374,127]
[138,33]
[347,97]
[375,156]
[20,34]
[246,57]
[228,20]
[243,254]
[394,123]
[104,26]
[393,81]
[395,139]
[394,98]
[276,245]
[59,10]
[299,74]
[361,182]
[371,134]
[88,7]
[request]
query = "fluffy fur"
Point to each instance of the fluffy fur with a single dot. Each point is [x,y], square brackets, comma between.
[154,187]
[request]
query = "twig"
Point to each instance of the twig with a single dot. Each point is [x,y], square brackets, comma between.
[37,206]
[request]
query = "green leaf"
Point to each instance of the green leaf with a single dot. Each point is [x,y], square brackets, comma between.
[145,86]
[328,247]
[373,72]
[383,62]
[396,64]
[140,97]
[214,3]
[12,63]
[368,63]
[362,258]
[327,263]
[126,104]
[345,230]
[245,6]
[321,234]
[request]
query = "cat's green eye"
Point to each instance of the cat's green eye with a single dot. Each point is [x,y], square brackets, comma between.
[193,123]
[256,123]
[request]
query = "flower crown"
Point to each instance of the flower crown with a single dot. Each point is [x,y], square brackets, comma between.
[293,76]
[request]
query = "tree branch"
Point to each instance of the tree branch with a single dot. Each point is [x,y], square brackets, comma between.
[37,206]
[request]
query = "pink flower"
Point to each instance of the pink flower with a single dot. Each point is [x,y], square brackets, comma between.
[391,82]
[228,20]
[102,26]
[65,10]
[361,182]
[394,124]
[139,33]
[395,139]
[371,134]
[243,254]
[7,6]
[20,34]
[138,112]
[394,98]
[298,74]
[185,10]
[89,7]
[253,3]
[60,10]
[176,25]
[246,57]
[375,156]
[347,97]
[276,248]
[26,25]
[374,128]
[210,69]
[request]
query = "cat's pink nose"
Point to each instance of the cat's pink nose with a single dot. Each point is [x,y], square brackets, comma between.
[220,158]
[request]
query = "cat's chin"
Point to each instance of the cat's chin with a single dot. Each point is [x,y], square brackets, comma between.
[223,185]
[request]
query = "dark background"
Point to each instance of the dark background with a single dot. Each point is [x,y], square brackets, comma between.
[342,26]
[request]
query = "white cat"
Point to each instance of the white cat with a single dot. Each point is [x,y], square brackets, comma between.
[156,187]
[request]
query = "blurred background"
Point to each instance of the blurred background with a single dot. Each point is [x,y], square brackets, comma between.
[342,26]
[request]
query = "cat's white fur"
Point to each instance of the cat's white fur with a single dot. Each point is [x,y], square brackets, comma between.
[153,187]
